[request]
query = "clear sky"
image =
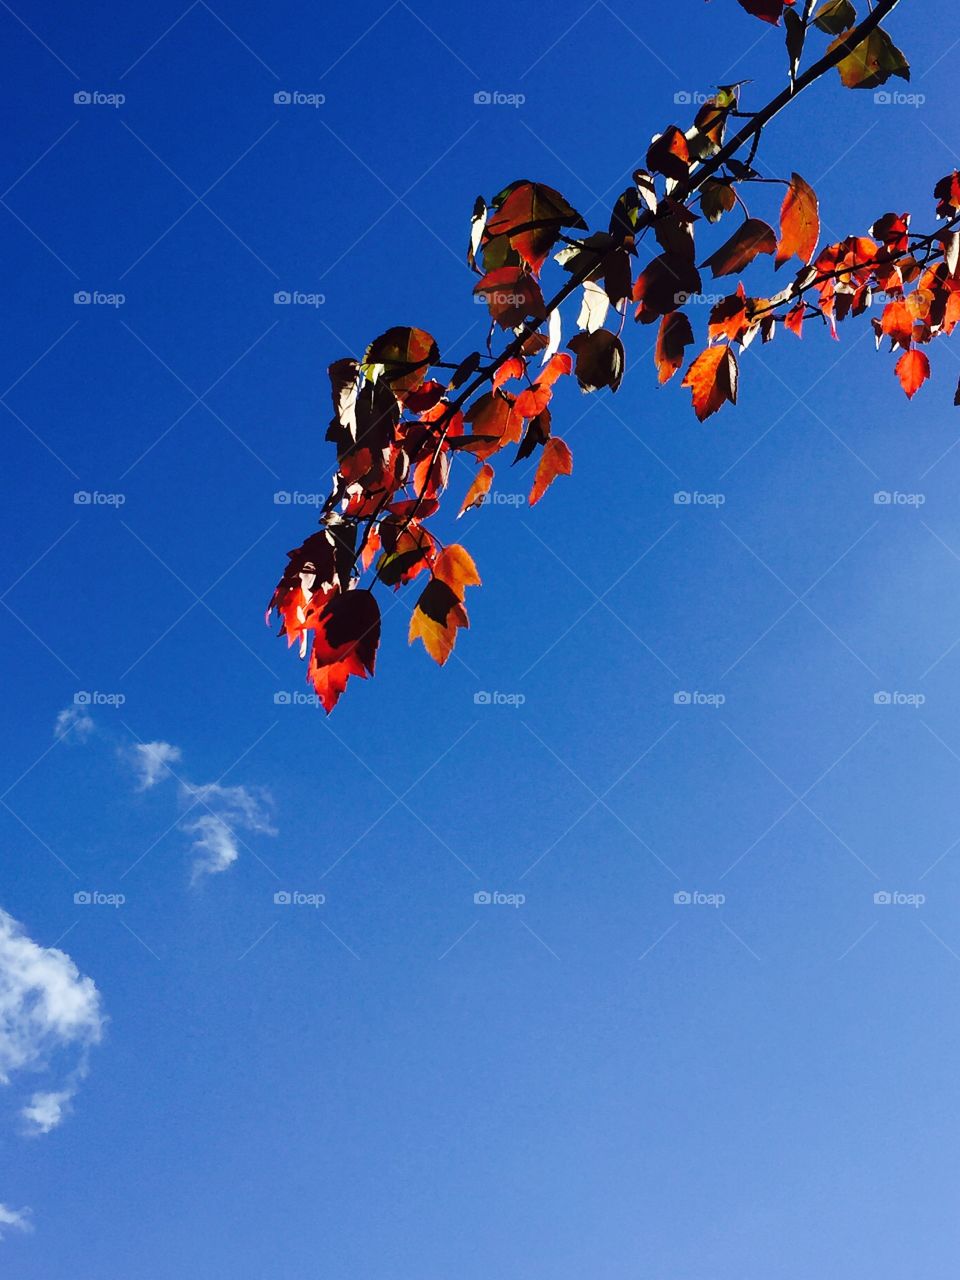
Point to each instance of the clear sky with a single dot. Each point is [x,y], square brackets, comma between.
[587,1078]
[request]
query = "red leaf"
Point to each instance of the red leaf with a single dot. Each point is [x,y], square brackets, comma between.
[913,369]
[512,295]
[345,643]
[768,10]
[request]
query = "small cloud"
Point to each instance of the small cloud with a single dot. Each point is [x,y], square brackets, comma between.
[152,762]
[228,810]
[76,721]
[16,1218]
[45,1110]
[46,1008]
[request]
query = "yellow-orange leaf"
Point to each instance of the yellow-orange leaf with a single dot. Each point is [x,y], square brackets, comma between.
[712,379]
[913,369]
[436,620]
[556,460]
[455,567]
[478,489]
[799,222]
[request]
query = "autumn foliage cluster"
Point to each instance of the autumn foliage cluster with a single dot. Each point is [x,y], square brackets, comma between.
[401,412]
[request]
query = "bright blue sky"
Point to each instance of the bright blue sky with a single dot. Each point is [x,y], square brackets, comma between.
[400,1083]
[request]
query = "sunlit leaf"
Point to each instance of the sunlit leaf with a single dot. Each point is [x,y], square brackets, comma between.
[799,222]
[872,62]
[913,369]
[345,643]
[556,460]
[478,490]
[712,379]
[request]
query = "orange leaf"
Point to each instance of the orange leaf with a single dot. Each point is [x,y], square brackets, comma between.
[712,378]
[513,368]
[674,336]
[799,222]
[556,460]
[478,489]
[533,401]
[455,567]
[494,414]
[913,369]
[897,323]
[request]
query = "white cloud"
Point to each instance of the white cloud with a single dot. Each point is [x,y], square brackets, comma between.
[152,761]
[45,1110]
[77,719]
[46,1007]
[225,811]
[14,1218]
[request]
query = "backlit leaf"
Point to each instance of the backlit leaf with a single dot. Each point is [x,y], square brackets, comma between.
[478,489]
[556,460]
[913,369]
[799,222]
[345,644]
[712,379]
[872,62]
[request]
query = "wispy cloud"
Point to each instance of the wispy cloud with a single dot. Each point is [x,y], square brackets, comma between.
[214,817]
[47,1007]
[16,1218]
[152,762]
[75,721]
[226,810]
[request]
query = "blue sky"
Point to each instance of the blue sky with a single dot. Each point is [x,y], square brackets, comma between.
[400,1082]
